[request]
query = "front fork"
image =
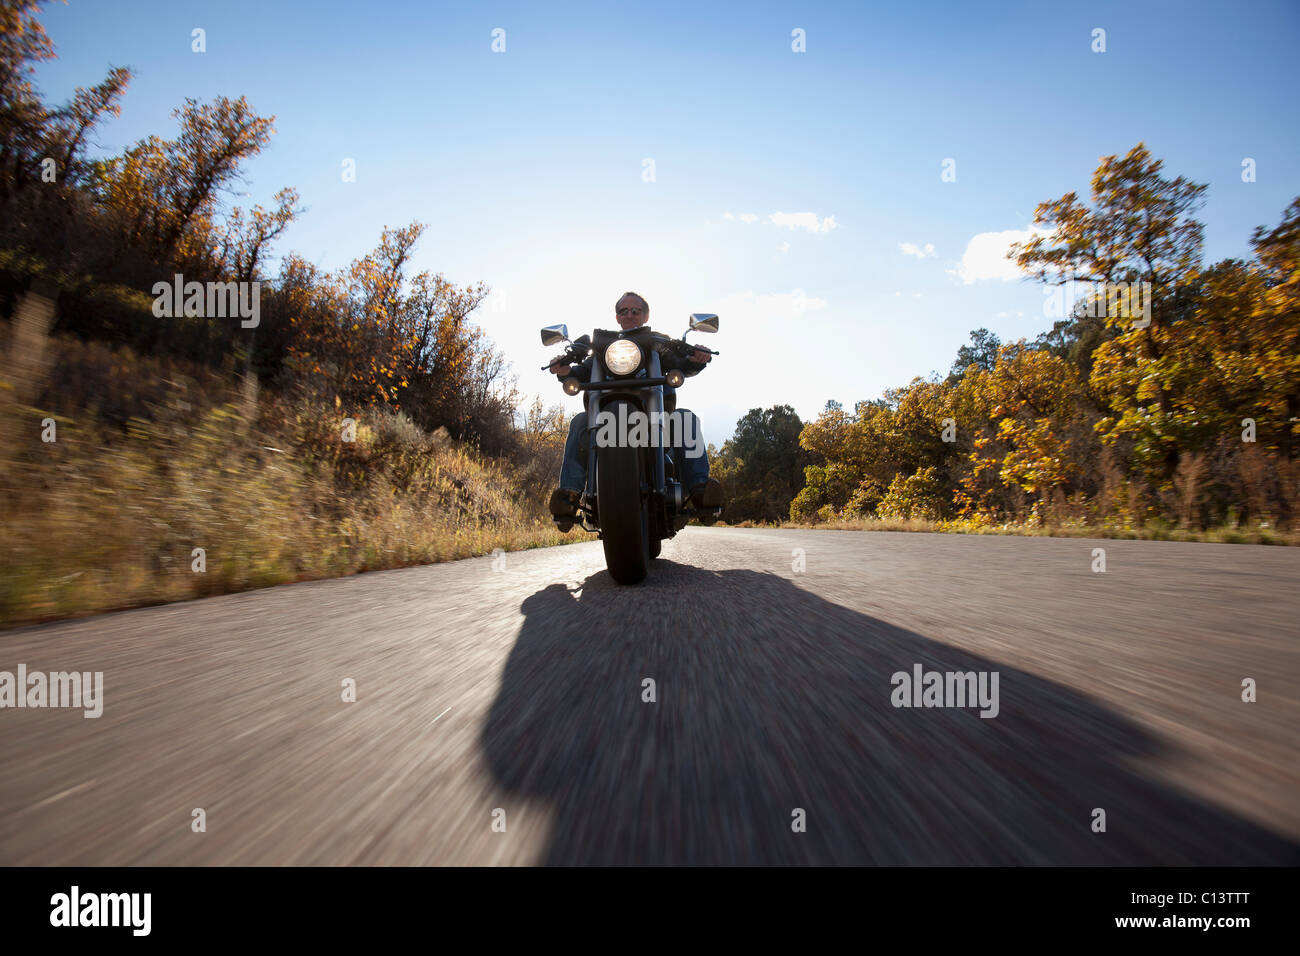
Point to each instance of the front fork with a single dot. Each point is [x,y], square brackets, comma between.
[665,496]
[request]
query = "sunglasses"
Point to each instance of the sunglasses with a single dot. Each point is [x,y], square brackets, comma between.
[629,311]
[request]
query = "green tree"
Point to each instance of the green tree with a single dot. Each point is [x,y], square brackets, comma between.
[982,352]
[763,464]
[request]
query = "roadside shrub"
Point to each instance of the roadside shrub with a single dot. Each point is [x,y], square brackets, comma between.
[914,496]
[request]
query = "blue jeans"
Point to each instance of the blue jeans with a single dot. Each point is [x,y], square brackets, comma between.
[691,471]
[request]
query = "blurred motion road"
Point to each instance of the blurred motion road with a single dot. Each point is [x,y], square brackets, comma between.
[520,690]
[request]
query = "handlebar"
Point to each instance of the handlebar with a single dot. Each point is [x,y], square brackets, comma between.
[679,346]
[579,350]
[566,358]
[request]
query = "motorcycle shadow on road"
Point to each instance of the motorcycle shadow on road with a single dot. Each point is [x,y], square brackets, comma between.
[771,707]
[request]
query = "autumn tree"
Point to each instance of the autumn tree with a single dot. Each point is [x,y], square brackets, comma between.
[1139,229]
[540,448]
[23,44]
[44,149]
[1035,432]
[372,334]
[1179,398]
[164,194]
[1276,320]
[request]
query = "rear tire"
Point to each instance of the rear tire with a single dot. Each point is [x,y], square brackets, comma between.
[624,514]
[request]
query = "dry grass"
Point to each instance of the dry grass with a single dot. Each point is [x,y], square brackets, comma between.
[108,515]
[1151,531]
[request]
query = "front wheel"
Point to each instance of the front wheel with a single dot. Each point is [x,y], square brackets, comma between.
[624,514]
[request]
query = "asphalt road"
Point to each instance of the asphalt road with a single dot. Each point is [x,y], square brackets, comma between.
[515,698]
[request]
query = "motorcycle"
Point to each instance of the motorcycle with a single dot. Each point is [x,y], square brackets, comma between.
[632,499]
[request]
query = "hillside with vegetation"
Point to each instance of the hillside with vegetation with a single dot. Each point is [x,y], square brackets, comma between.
[364,420]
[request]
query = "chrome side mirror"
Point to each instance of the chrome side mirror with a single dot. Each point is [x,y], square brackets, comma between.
[555,334]
[703,322]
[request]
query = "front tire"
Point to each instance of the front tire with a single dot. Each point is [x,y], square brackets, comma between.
[624,514]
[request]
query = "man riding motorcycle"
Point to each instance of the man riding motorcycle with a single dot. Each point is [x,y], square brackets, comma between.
[632,311]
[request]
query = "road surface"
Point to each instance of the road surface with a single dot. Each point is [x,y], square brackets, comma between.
[502,711]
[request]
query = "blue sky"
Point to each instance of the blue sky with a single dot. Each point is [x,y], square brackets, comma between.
[529,165]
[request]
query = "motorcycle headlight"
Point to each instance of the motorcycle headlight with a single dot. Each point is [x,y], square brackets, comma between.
[623,357]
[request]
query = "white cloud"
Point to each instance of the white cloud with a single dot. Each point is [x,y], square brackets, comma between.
[752,307]
[790,220]
[784,247]
[986,256]
[802,220]
[911,249]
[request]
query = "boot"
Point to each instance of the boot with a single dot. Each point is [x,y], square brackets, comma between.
[564,508]
[707,499]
